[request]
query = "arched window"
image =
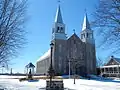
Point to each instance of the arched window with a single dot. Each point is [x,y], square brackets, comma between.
[60,48]
[74,41]
[83,35]
[61,28]
[58,28]
[91,35]
[87,35]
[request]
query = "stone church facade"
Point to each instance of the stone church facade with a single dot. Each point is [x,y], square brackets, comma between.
[74,54]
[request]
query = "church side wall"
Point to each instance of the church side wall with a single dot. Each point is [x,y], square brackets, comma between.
[59,56]
[42,66]
[90,59]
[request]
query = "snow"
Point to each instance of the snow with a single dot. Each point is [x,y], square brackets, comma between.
[110,66]
[81,84]
[14,84]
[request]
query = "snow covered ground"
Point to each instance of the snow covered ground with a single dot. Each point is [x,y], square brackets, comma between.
[81,84]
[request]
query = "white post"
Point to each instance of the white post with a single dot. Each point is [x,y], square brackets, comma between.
[2,70]
[113,70]
[104,71]
[118,70]
[27,71]
[100,71]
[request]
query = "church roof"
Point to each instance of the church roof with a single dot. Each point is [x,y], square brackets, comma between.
[58,18]
[44,56]
[74,36]
[86,24]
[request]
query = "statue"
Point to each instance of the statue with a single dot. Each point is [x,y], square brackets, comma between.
[30,75]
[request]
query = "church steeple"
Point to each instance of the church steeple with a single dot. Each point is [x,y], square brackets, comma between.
[58,18]
[87,33]
[86,25]
[58,30]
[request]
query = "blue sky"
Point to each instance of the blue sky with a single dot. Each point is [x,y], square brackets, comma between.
[41,15]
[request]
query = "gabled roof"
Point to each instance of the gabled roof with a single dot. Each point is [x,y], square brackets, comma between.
[74,36]
[117,59]
[44,56]
[29,65]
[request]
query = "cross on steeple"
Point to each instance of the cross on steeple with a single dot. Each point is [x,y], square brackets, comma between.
[86,24]
[74,30]
[59,1]
[85,10]
[58,17]
[58,31]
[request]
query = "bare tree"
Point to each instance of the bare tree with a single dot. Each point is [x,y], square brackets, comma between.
[12,19]
[99,62]
[107,23]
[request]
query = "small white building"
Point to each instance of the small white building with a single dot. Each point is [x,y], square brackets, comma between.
[112,68]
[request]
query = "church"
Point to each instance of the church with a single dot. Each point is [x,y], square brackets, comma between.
[73,55]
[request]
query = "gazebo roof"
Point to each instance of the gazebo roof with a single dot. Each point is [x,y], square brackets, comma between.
[30,65]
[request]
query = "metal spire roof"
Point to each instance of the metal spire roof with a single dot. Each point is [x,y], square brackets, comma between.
[30,65]
[86,24]
[58,18]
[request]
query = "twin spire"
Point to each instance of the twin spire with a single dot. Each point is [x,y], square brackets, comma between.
[86,25]
[58,19]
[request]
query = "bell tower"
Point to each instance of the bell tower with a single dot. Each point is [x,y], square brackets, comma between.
[59,39]
[87,33]
[88,38]
[58,30]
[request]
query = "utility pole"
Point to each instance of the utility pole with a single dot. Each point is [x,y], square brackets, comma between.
[74,63]
[118,70]
[69,62]
[2,68]
[11,71]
